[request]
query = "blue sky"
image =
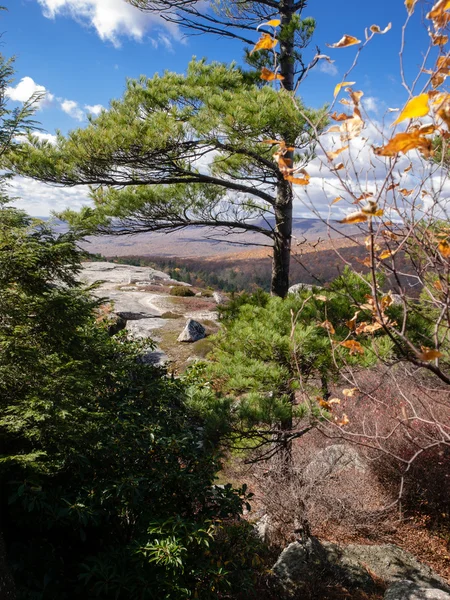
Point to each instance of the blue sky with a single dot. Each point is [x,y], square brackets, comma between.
[82,51]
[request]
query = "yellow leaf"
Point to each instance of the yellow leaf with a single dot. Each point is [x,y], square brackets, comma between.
[265,42]
[334,401]
[386,254]
[355,217]
[328,326]
[372,209]
[429,353]
[338,199]
[267,75]
[404,142]
[410,5]
[353,346]
[271,23]
[333,155]
[337,89]
[444,248]
[345,41]
[416,107]
[438,286]
[338,167]
[350,392]
[376,29]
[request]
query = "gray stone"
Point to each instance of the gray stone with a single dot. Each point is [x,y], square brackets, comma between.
[299,287]
[219,298]
[155,357]
[408,590]
[352,564]
[332,460]
[390,563]
[193,332]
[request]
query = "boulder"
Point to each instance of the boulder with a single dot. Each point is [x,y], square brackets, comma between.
[193,332]
[331,461]
[154,357]
[408,590]
[299,287]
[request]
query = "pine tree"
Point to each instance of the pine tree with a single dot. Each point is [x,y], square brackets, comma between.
[146,155]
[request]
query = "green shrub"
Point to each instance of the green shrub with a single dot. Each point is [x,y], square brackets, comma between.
[181,290]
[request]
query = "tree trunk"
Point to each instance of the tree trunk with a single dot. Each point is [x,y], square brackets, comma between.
[283,207]
[282,240]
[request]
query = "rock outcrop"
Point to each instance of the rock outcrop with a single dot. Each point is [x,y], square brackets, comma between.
[353,566]
[408,590]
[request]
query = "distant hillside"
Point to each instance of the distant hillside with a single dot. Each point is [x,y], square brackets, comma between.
[194,242]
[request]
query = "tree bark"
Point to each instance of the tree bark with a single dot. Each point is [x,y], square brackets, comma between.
[284,202]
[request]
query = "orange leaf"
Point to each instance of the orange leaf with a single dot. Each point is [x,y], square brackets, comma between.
[338,167]
[340,117]
[429,353]
[344,420]
[354,217]
[444,248]
[416,107]
[376,28]
[404,142]
[345,41]
[439,40]
[406,192]
[298,180]
[328,326]
[355,96]
[337,89]
[333,155]
[265,42]
[438,14]
[410,5]
[338,199]
[353,346]
[267,75]
[407,169]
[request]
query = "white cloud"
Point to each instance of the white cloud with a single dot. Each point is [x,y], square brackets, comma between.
[110,18]
[71,108]
[26,88]
[327,67]
[95,109]
[371,104]
[45,137]
[39,199]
